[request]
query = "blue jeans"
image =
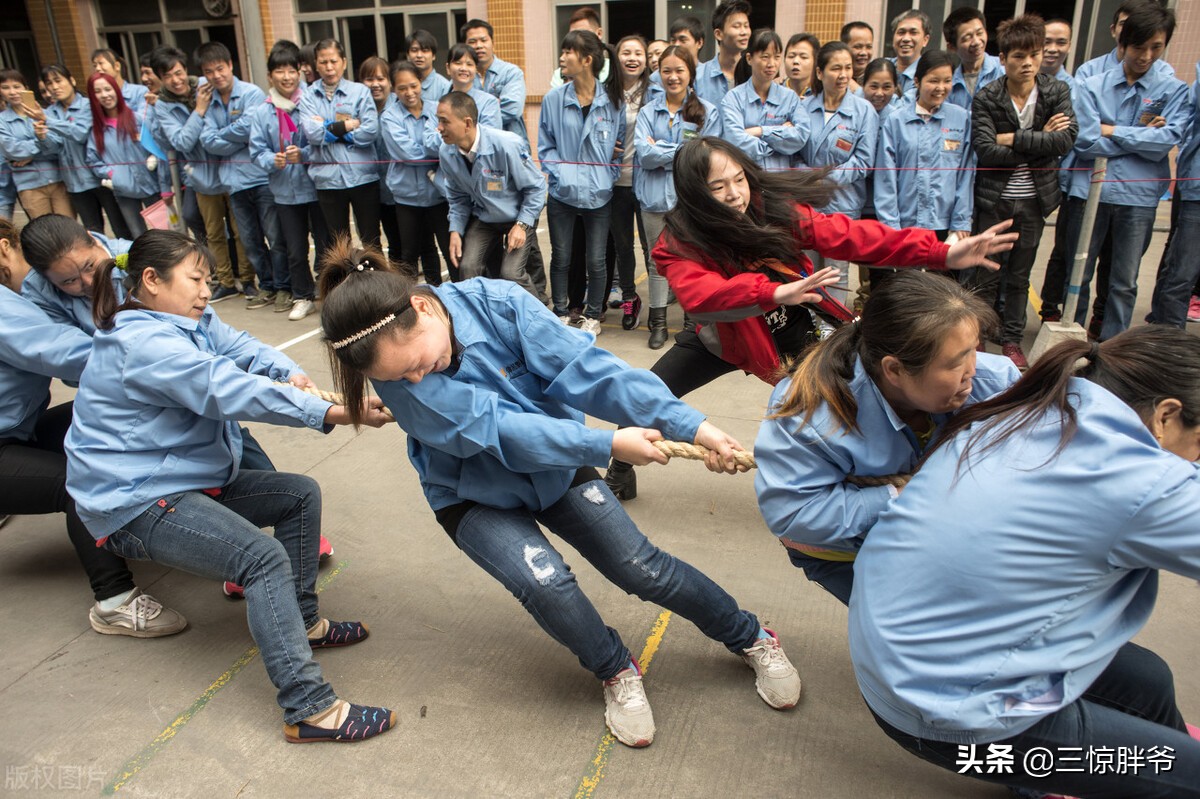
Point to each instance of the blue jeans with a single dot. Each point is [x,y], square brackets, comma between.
[256,217]
[1131,707]
[1132,226]
[1173,290]
[219,538]
[508,545]
[660,290]
[560,217]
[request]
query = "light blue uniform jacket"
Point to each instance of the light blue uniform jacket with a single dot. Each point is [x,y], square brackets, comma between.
[33,349]
[346,162]
[71,128]
[846,142]
[802,468]
[506,427]
[780,141]
[993,593]
[158,409]
[290,185]
[961,95]
[577,153]
[502,186]
[653,175]
[226,134]
[1135,152]
[410,150]
[19,143]
[925,171]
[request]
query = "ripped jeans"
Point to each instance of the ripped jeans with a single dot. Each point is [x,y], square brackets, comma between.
[509,545]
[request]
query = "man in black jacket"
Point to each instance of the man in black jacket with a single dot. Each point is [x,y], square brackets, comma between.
[1021,125]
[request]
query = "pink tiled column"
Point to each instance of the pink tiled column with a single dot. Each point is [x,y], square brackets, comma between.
[789,18]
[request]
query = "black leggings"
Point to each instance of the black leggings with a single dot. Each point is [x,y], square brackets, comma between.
[33,480]
[689,365]
[336,204]
[422,232]
[93,204]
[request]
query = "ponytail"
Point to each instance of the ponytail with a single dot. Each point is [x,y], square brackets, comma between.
[824,375]
[366,299]
[157,250]
[1141,367]
[908,318]
[693,108]
[105,304]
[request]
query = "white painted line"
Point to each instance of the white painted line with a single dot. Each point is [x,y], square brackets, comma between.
[298,339]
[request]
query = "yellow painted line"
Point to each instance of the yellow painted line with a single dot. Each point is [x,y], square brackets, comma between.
[142,759]
[1035,301]
[587,786]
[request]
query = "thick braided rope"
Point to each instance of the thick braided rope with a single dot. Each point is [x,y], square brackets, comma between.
[673,449]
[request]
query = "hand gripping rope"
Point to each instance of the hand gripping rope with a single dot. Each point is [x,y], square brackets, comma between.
[676,449]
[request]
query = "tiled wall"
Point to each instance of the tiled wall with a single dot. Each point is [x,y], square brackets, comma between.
[825,18]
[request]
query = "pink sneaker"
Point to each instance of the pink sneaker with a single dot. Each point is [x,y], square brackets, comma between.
[1193,730]
[233,590]
[326,549]
[1194,310]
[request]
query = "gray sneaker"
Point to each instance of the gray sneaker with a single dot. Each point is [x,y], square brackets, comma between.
[260,299]
[283,302]
[774,675]
[626,709]
[142,616]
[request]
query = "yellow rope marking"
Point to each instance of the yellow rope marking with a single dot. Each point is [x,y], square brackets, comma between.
[142,759]
[591,781]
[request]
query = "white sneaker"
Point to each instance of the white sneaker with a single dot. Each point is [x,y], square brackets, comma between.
[301,309]
[626,709]
[565,319]
[591,326]
[775,677]
[142,616]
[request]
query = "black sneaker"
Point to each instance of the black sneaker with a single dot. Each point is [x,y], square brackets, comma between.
[631,311]
[223,293]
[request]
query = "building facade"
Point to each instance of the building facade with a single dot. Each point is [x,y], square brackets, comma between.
[527,31]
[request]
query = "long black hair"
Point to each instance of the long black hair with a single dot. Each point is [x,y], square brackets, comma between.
[709,230]
[586,44]
[1141,367]
[643,81]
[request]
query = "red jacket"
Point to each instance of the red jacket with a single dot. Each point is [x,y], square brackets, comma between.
[728,305]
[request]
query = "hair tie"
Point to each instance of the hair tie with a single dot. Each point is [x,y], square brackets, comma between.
[1094,353]
[122,261]
[364,266]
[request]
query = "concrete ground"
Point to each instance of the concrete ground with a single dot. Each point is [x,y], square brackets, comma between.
[487,704]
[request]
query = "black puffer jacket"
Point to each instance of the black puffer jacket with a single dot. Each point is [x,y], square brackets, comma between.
[992,112]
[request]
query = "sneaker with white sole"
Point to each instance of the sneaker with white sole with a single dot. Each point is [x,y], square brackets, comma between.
[142,616]
[626,709]
[301,309]
[775,677]
[591,326]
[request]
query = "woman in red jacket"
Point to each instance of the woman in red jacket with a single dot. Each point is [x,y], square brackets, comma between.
[732,251]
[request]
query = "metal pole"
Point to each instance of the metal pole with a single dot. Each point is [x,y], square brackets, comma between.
[1085,239]
[177,189]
